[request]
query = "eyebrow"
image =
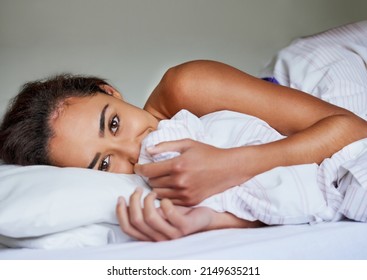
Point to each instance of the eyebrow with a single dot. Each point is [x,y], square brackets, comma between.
[94,161]
[102,120]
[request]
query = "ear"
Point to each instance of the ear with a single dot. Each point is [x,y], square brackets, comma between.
[111,91]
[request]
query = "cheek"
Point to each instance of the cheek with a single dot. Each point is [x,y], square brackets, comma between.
[125,168]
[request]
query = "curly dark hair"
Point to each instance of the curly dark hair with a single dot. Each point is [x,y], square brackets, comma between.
[25,130]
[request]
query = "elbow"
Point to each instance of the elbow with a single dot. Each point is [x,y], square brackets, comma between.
[358,126]
[348,120]
[346,128]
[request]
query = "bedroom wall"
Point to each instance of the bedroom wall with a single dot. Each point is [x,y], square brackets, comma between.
[132,42]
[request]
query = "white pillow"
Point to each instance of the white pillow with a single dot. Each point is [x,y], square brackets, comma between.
[39,200]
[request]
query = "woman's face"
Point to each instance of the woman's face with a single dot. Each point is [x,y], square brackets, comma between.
[100,132]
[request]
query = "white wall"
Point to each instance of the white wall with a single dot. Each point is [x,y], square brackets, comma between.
[132,42]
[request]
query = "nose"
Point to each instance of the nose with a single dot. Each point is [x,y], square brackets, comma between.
[127,150]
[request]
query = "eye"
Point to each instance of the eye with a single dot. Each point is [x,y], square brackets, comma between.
[114,124]
[105,164]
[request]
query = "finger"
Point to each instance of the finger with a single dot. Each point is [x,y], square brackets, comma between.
[123,219]
[156,221]
[161,182]
[137,218]
[169,193]
[170,146]
[177,196]
[162,168]
[155,169]
[173,195]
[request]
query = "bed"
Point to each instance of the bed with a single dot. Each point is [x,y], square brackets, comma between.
[333,241]
[295,66]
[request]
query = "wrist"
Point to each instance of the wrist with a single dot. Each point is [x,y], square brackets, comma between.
[250,161]
[228,220]
[218,220]
[247,162]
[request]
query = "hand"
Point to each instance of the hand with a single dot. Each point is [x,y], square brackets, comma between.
[149,223]
[199,172]
[170,221]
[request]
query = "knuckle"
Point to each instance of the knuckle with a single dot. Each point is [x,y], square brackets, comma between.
[189,199]
[182,163]
[159,238]
[177,234]
[149,218]
[137,221]
[185,230]
[178,166]
[181,183]
[190,202]
[185,195]
[187,141]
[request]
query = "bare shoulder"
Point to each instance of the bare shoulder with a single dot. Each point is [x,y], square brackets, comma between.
[171,94]
[191,85]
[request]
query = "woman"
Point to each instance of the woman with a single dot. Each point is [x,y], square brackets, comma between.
[315,130]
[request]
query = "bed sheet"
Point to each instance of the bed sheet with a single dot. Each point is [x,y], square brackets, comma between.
[333,241]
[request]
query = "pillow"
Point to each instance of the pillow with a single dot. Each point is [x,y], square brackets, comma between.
[39,200]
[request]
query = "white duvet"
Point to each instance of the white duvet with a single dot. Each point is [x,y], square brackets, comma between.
[284,195]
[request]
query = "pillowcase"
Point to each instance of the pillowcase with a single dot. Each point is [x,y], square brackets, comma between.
[39,200]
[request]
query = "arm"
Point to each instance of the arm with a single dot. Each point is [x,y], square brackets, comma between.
[315,129]
[203,87]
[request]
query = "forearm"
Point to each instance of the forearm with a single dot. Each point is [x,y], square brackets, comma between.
[323,139]
[313,144]
[228,220]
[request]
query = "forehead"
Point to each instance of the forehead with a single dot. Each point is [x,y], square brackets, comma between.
[74,104]
[75,126]
[79,108]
